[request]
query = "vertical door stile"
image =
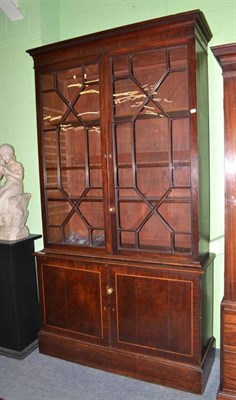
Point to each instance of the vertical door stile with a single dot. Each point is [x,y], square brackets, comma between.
[109,305]
[108,180]
[193,145]
[112,301]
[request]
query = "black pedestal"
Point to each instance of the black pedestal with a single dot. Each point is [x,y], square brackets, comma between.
[19,305]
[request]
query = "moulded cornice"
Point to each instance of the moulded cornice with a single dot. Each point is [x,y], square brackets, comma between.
[195,17]
[226,56]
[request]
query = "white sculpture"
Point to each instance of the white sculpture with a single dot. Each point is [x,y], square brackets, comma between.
[13,200]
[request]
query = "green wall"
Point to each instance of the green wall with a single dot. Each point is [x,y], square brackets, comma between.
[47,21]
[41,24]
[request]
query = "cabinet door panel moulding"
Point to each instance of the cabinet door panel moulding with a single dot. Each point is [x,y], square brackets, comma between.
[125,276]
[226,56]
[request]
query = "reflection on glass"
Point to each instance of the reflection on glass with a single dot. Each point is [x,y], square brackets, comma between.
[172,94]
[87,105]
[73,162]
[152,150]
[149,68]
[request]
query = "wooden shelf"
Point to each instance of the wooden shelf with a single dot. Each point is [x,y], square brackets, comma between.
[154,200]
[160,115]
[87,122]
[179,158]
[75,199]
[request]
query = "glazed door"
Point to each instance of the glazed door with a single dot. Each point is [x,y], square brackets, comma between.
[130,162]
[155,313]
[73,300]
[71,145]
[151,147]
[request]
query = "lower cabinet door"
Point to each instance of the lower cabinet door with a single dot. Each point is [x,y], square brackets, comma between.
[72,300]
[154,313]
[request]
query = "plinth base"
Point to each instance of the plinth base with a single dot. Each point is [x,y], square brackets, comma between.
[19,354]
[190,378]
[19,305]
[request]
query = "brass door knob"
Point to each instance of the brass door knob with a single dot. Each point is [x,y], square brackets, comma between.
[109,290]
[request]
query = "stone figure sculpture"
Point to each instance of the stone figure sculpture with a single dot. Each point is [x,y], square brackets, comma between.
[13,200]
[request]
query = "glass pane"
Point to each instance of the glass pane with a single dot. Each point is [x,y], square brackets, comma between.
[55,235]
[150,109]
[87,106]
[98,237]
[70,82]
[121,66]
[180,193]
[177,215]
[178,57]
[71,120]
[95,177]
[124,143]
[50,149]
[51,179]
[54,193]
[128,98]
[127,239]
[94,194]
[125,177]
[180,140]
[57,212]
[94,146]
[152,140]
[181,176]
[154,234]
[73,148]
[152,151]
[76,230]
[47,81]
[91,74]
[53,109]
[153,182]
[92,212]
[173,92]
[73,182]
[152,148]
[132,214]
[149,67]
[127,194]
[182,242]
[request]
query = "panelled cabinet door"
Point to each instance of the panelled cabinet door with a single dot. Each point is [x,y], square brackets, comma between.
[151,145]
[155,314]
[72,154]
[74,302]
